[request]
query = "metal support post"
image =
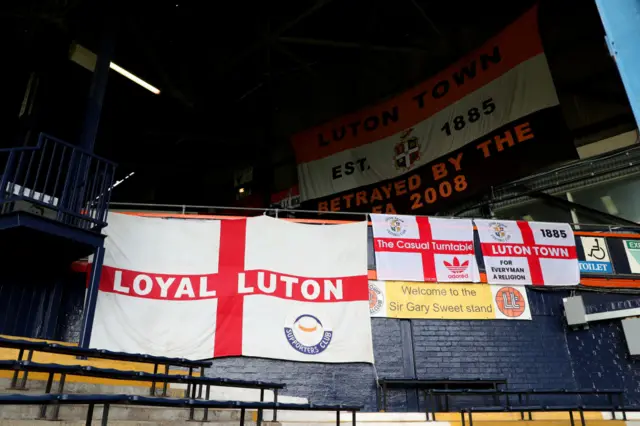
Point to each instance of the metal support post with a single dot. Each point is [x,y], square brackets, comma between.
[275,401]
[56,408]
[89,415]
[105,415]
[92,297]
[79,167]
[99,80]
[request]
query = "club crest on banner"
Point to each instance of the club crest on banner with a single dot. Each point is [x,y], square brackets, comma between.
[510,302]
[499,232]
[396,226]
[306,334]
[376,299]
[521,252]
[407,151]
[423,249]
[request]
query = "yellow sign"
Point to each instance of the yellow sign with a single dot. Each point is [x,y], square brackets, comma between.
[413,300]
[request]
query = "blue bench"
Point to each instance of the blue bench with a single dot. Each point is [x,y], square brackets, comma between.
[31,347]
[520,393]
[107,400]
[543,408]
[426,385]
[108,373]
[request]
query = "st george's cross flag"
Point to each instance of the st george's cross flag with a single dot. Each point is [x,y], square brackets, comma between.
[425,249]
[258,287]
[520,252]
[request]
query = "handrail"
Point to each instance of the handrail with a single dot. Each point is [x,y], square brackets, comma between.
[20,148]
[58,180]
[44,136]
[41,141]
[116,206]
[608,230]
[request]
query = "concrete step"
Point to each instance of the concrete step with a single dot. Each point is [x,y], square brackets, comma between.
[312,423]
[118,412]
[222,393]
[324,417]
[123,423]
[176,390]
[539,423]
[248,423]
[38,387]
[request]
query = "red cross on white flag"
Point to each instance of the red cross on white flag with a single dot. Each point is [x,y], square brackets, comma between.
[248,287]
[426,249]
[520,252]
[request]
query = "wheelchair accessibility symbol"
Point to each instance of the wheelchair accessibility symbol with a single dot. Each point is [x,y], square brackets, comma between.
[597,252]
[595,249]
[596,256]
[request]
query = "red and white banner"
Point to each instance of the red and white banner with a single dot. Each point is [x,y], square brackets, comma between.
[482,92]
[425,249]
[520,252]
[258,287]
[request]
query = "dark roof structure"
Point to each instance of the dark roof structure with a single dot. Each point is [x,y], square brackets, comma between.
[237,79]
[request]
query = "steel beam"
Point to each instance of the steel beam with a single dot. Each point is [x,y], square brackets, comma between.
[621,19]
[564,203]
[99,80]
[91,300]
[271,36]
[351,45]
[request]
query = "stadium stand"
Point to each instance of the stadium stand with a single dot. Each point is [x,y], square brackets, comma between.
[526,394]
[193,393]
[107,400]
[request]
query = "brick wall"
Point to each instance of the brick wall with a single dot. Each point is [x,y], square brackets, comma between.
[599,354]
[527,353]
[541,353]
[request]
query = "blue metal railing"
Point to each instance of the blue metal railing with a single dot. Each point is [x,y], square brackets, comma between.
[57,180]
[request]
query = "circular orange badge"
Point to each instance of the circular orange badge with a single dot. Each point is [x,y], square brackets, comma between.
[510,302]
[373,299]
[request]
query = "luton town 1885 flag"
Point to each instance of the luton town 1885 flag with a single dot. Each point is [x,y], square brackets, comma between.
[255,287]
[519,252]
[416,248]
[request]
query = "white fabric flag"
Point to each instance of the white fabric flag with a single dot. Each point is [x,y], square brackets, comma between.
[424,249]
[520,252]
[256,287]
[325,316]
[152,298]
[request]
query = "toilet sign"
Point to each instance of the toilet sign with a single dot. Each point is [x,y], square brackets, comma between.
[596,256]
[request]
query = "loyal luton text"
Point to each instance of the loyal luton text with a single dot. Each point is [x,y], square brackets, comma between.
[157,286]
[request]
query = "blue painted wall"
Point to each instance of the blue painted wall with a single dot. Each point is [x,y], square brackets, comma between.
[541,353]
[41,302]
[599,355]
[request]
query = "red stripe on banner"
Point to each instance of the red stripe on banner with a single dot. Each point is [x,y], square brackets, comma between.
[534,261]
[428,262]
[344,289]
[148,285]
[233,238]
[402,245]
[537,251]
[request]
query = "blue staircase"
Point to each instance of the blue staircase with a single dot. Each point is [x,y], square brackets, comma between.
[54,198]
